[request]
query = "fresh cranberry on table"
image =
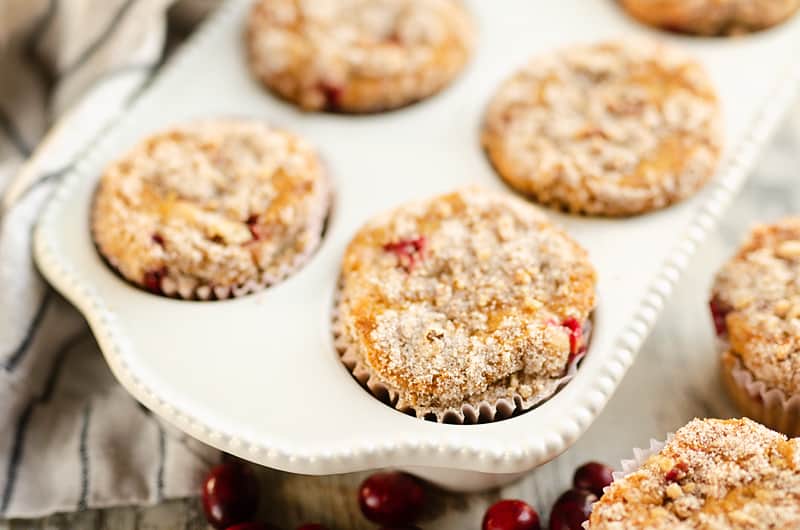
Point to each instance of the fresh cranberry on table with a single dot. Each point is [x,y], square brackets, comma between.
[230,495]
[252,526]
[572,509]
[391,498]
[510,515]
[593,476]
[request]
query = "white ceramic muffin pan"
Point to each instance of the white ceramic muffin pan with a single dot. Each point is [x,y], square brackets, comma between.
[259,377]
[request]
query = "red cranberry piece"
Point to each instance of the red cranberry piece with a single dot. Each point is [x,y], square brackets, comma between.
[312,526]
[152,280]
[393,499]
[510,515]
[158,239]
[677,472]
[408,251]
[572,509]
[230,495]
[575,335]
[719,312]
[252,526]
[592,476]
[332,94]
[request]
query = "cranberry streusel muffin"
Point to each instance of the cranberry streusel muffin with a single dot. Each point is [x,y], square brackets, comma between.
[756,308]
[617,128]
[357,55]
[712,17]
[713,474]
[211,209]
[465,307]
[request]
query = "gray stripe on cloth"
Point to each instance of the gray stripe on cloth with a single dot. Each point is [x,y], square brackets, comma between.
[84,456]
[24,420]
[16,355]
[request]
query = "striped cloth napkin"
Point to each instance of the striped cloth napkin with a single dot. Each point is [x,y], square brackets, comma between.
[72,438]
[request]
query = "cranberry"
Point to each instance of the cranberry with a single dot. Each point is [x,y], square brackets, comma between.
[230,495]
[719,312]
[312,526]
[393,499]
[408,251]
[571,510]
[592,476]
[332,94]
[252,526]
[158,239]
[677,472]
[510,515]
[575,328]
[152,280]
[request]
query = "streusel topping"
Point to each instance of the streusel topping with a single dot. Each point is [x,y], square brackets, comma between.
[714,474]
[358,55]
[616,128]
[712,17]
[445,297]
[758,292]
[211,206]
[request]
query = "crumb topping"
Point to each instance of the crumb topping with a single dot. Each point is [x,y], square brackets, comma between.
[616,128]
[211,205]
[714,474]
[445,297]
[358,55]
[759,291]
[712,17]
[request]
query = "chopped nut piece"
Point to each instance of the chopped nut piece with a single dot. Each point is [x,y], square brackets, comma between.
[788,250]
[674,491]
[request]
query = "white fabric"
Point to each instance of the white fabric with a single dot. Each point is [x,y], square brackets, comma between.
[71,437]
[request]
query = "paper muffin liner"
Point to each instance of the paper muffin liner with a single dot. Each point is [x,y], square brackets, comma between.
[187,288]
[757,400]
[640,456]
[484,410]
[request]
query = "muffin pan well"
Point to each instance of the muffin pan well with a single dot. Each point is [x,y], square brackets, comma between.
[259,376]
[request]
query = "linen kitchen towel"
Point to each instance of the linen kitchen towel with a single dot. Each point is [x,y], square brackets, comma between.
[71,437]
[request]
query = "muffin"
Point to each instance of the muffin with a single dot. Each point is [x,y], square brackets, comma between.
[357,55]
[712,17]
[462,308]
[713,474]
[211,209]
[755,304]
[610,129]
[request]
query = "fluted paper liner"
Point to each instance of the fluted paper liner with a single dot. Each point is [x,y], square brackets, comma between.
[760,402]
[483,411]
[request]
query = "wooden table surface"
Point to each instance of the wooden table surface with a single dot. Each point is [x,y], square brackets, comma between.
[673,380]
